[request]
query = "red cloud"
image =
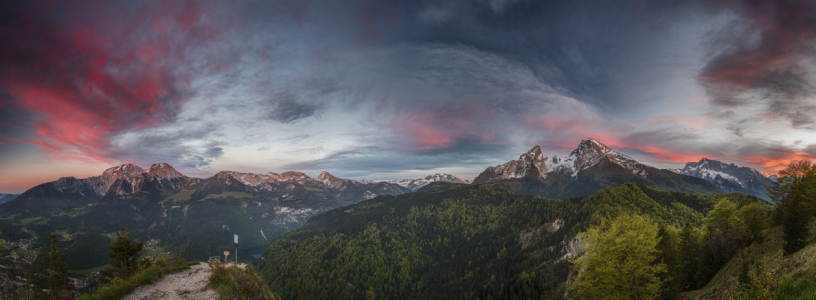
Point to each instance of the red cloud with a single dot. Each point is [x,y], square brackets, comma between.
[89,72]
[787,30]
[444,127]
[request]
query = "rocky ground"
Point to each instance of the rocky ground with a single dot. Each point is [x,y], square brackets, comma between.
[187,284]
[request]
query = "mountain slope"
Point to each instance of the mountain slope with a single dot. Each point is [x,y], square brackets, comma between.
[457,241]
[729,177]
[7,197]
[159,203]
[591,167]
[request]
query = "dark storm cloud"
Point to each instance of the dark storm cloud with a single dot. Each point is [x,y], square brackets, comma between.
[290,110]
[766,61]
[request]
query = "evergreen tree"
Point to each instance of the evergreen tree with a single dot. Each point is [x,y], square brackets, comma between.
[794,194]
[125,252]
[668,252]
[617,261]
[49,275]
[689,256]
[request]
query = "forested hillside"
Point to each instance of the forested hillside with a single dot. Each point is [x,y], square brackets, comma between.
[476,241]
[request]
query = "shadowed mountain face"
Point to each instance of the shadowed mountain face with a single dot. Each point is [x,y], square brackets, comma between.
[729,177]
[161,203]
[7,197]
[591,167]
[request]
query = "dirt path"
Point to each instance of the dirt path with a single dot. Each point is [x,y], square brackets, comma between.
[186,284]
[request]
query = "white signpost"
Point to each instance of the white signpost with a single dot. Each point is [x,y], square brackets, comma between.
[236,249]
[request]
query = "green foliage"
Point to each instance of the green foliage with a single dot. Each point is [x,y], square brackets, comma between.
[618,260]
[439,242]
[801,286]
[465,241]
[668,252]
[48,274]
[370,293]
[795,194]
[234,283]
[724,230]
[757,282]
[756,219]
[124,253]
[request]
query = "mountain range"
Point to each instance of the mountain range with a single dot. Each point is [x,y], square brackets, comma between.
[589,168]
[161,204]
[729,177]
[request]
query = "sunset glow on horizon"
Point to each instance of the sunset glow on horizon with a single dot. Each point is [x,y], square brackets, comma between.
[395,89]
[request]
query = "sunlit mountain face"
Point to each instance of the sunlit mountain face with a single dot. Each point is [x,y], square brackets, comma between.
[390,90]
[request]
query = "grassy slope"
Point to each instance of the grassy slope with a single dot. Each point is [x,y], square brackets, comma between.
[796,270]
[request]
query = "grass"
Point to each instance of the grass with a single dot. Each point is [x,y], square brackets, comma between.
[234,283]
[800,285]
[796,271]
[184,195]
[119,288]
[236,195]
[29,220]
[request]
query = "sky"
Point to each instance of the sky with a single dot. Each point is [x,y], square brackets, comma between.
[399,89]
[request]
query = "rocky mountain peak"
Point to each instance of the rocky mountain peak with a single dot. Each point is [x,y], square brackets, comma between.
[326,176]
[588,153]
[127,169]
[591,151]
[293,176]
[729,177]
[163,171]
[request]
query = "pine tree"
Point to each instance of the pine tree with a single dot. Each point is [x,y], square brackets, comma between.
[125,252]
[689,256]
[49,274]
[669,254]
[794,193]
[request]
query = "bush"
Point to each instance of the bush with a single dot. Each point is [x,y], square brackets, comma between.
[234,283]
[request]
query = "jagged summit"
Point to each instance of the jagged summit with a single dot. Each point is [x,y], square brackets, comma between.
[533,163]
[729,177]
[163,170]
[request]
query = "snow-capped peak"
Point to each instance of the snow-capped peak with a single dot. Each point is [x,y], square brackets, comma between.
[729,177]
[588,153]
[415,184]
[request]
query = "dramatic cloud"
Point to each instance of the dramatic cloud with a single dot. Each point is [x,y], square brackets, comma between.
[766,59]
[394,89]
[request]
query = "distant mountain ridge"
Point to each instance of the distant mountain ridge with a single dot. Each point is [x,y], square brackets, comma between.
[415,184]
[7,197]
[161,203]
[590,167]
[729,177]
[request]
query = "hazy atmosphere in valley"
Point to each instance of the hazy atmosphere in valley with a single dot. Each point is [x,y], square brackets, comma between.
[408,149]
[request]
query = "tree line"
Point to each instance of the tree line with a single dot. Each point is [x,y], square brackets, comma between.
[634,256]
